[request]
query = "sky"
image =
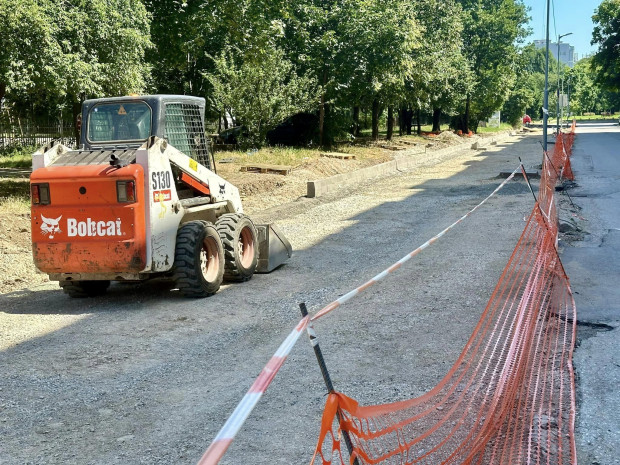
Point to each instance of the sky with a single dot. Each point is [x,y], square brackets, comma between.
[570,16]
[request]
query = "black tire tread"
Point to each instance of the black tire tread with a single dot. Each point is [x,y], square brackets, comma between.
[226,226]
[185,274]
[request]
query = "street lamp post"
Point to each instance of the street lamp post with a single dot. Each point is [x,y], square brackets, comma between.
[568,104]
[558,92]
[546,94]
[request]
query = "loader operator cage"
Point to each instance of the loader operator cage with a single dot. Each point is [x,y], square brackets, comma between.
[128,122]
[184,129]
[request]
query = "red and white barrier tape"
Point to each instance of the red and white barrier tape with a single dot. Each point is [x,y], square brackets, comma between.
[345,298]
[224,438]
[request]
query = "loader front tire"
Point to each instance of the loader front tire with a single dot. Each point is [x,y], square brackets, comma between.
[198,259]
[240,242]
[81,289]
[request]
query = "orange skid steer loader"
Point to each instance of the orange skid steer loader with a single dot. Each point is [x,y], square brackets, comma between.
[141,199]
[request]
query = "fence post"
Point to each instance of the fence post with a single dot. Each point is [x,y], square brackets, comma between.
[326,378]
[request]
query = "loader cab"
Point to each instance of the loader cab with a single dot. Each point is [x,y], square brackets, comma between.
[128,122]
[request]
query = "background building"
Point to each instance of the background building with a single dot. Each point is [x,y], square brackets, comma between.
[567,51]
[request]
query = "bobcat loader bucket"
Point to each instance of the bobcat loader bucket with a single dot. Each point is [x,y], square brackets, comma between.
[273,248]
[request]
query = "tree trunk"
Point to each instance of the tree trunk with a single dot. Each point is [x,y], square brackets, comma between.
[322,112]
[401,121]
[2,92]
[355,130]
[390,122]
[375,119]
[436,120]
[419,120]
[322,120]
[409,121]
[466,119]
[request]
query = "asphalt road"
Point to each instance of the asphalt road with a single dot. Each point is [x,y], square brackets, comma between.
[142,375]
[592,266]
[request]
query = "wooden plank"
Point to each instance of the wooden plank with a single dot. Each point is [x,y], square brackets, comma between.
[340,156]
[391,147]
[267,169]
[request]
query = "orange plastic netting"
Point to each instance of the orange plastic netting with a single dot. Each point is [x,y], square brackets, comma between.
[509,398]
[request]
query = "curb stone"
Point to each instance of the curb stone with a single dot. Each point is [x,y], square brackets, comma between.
[403,162]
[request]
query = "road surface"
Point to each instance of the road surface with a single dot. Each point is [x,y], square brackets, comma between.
[592,266]
[143,376]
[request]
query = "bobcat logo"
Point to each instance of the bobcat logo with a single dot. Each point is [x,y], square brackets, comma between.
[50,226]
[223,188]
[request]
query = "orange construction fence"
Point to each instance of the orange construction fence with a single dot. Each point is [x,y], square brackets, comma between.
[510,397]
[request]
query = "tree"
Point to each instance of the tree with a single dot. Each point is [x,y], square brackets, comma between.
[383,38]
[359,51]
[103,44]
[260,92]
[586,93]
[527,94]
[442,77]
[65,51]
[30,55]
[315,42]
[492,30]
[606,34]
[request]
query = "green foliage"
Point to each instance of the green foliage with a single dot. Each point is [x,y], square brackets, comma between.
[587,94]
[17,156]
[259,92]
[529,86]
[442,76]
[29,50]
[63,52]
[606,34]
[492,30]
[261,61]
[383,38]
[516,105]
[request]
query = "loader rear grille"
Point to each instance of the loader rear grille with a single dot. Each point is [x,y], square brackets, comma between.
[185,131]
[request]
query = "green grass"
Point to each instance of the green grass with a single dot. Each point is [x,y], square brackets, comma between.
[269,156]
[414,129]
[17,157]
[14,192]
[292,156]
[502,127]
[594,117]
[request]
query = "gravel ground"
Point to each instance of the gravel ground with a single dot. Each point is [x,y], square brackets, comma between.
[142,375]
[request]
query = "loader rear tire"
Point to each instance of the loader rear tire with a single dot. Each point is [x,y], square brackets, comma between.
[240,242]
[198,259]
[81,289]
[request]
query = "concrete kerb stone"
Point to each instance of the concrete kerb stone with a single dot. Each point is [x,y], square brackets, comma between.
[401,163]
[333,183]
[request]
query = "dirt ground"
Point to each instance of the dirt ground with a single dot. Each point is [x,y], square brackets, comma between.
[258,191]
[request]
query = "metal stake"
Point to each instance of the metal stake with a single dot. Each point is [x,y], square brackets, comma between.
[527,179]
[326,378]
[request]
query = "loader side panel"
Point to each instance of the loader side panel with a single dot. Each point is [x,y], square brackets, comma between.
[93,222]
[163,211]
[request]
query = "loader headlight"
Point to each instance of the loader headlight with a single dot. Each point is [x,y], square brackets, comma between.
[40,193]
[126,191]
